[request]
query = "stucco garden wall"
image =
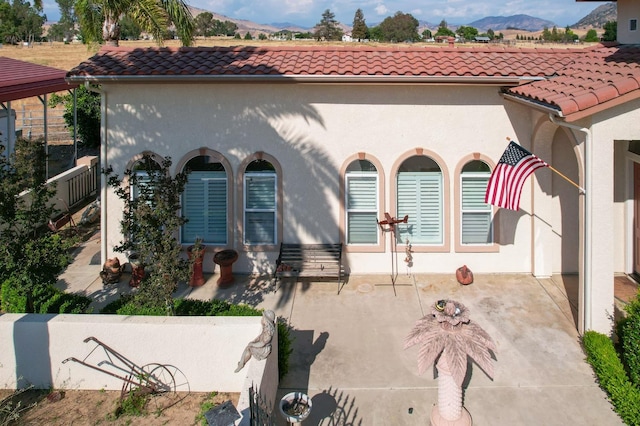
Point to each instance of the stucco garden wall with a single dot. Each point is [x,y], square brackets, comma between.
[312,131]
[205,350]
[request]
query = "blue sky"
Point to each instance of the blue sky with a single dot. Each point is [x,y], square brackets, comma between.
[307,13]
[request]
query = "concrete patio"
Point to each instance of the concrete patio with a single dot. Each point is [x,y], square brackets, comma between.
[348,349]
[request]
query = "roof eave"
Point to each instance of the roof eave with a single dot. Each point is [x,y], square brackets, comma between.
[300,79]
[540,106]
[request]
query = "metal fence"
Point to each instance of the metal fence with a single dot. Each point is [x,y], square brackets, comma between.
[259,409]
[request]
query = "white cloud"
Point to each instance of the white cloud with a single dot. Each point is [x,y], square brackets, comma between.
[381,9]
[416,13]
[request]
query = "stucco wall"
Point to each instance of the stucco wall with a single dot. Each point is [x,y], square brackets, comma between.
[311,131]
[205,351]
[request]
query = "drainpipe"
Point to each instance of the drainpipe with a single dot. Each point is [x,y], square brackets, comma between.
[103,182]
[588,201]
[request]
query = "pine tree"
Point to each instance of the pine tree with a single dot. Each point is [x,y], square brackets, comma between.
[360,30]
[327,28]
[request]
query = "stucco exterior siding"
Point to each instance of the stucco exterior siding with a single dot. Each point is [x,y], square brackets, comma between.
[311,131]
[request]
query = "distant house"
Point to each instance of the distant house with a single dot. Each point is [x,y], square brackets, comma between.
[346,37]
[479,39]
[315,144]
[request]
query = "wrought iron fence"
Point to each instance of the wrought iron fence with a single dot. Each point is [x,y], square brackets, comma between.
[259,409]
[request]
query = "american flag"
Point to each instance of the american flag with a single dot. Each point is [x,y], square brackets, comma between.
[507,179]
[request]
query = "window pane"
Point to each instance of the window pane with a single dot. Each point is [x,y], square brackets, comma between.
[361,192]
[476,228]
[476,225]
[205,205]
[363,228]
[473,191]
[260,192]
[260,228]
[420,197]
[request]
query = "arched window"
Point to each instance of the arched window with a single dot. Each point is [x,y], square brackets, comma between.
[361,201]
[476,221]
[420,196]
[260,203]
[204,202]
[140,180]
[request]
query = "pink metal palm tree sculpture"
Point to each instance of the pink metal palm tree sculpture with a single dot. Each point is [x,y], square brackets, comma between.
[449,336]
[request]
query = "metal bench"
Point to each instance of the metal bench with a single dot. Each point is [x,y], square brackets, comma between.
[309,261]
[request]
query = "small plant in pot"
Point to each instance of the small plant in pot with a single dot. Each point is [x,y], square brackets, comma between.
[295,407]
[196,256]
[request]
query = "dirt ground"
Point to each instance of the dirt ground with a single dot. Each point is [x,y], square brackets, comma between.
[79,408]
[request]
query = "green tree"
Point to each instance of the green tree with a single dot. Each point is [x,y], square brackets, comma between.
[591,36]
[151,221]
[376,34]
[491,34]
[327,28]
[400,27]
[546,34]
[444,31]
[467,33]
[426,34]
[610,31]
[129,29]
[248,36]
[262,36]
[360,30]
[204,24]
[19,21]
[100,19]
[31,256]
[64,29]
[88,114]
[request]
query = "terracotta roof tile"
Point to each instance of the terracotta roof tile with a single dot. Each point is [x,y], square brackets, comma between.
[593,78]
[570,80]
[325,61]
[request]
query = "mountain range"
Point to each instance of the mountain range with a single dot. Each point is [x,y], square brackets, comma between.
[596,19]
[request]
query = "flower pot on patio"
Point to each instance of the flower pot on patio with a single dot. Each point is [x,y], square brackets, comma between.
[196,255]
[295,407]
[137,270]
[225,258]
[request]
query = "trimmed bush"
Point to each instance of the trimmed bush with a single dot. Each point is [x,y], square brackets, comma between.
[46,300]
[612,376]
[285,347]
[629,334]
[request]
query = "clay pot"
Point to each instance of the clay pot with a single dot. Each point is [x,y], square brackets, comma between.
[225,259]
[197,277]
[137,270]
[464,275]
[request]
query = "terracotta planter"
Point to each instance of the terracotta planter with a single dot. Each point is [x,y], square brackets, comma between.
[225,259]
[197,277]
[137,271]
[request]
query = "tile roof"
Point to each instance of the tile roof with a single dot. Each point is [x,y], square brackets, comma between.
[596,78]
[567,81]
[282,61]
[19,79]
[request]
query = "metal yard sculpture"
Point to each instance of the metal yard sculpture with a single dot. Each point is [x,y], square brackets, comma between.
[448,336]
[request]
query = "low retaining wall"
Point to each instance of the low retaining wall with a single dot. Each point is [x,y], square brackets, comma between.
[205,350]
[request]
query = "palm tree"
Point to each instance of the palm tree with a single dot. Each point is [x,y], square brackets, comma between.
[450,337]
[100,19]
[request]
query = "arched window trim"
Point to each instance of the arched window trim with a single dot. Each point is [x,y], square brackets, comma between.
[445,247]
[362,248]
[471,248]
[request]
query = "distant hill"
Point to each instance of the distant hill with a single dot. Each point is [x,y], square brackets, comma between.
[520,22]
[598,17]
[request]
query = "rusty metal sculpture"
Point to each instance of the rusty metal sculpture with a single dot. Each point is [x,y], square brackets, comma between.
[448,336]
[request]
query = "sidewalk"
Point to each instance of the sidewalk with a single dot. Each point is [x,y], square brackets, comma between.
[348,349]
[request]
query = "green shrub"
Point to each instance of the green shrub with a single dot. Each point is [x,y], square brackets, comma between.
[285,347]
[612,376]
[12,301]
[206,405]
[46,300]
[629,336]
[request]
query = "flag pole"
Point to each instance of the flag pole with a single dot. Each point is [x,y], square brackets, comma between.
[568,180]
[581,189]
